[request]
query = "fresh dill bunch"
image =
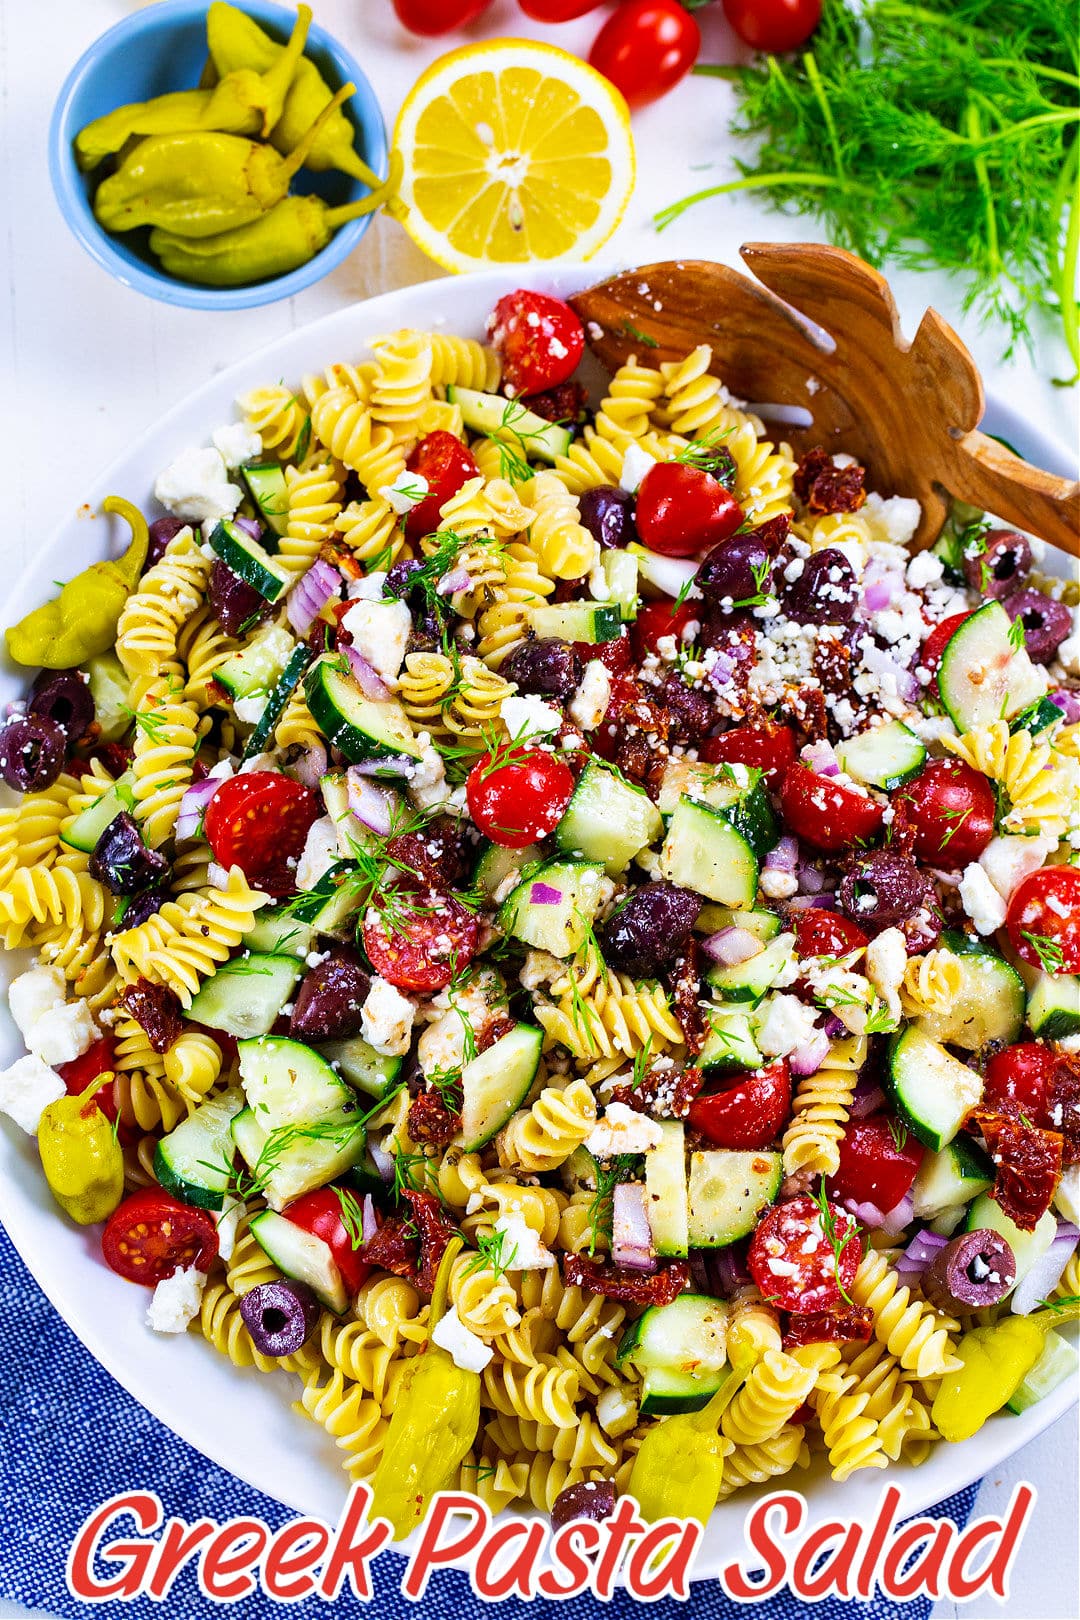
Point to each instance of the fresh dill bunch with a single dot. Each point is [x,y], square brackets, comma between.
[934,135]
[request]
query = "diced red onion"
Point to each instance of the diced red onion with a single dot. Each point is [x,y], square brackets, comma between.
[796,416]
[899,1218]
[367,678]
[722,670]
[631,1234]
[811,880]
[542,894]
[458,579]
[1045,1274]
[730,946]
[784,856]
[193,805]
[821,757]
[311,594]
[868,1096]
[802,902]
[1068,703]
[877,595]
[250,526]
[699,1271]
[369,1225]
[310,766]
[809,1059]
[387,765]
[920,1253]
[372,803]
[384,1162]
[881,663]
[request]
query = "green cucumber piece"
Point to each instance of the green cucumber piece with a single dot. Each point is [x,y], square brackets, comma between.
[989,1005]
[194,1162]
[511,423]
[764,925]
[110,688]
[266,485]
[728,1192]
[288,1084]
[987,1216]
[577,621]
[1036,718]
[302,1256]
[982,675]
[258,666]
[932,1091]
[886,757]
[278,933]
[621,574]
[495,1084]
[560,927]
[607,820]
[331,906]
[359,1063]
[668,575]
[279,695]
[950,1178]
[89,824]
[703,852]
[1054,1366]
[250,561]
[730,1044]
[246,995]
[303,1162]
[496,863]
[1053,1006]
[665,1191]
[751,980]
[361,727]
[680,1349]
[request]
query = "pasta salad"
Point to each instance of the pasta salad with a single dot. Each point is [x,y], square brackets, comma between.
[552,918]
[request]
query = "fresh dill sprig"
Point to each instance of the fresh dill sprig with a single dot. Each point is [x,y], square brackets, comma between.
[1051,957]
[608,1177]
[495,1250]
[836,1243]
[352,1215]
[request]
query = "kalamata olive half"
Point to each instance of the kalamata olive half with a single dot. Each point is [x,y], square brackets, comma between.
[547,667]
[735,572]
[608,514]
[142,906]
[1046,622]
[162,531]
[999,565]
[648,931]
[399,581]
[883,889]
[825,591]
[63,696]
[329,1003]
[972,1270]
[122,861]
[233,602]
[280,1316]
[32,752]
[588,1499]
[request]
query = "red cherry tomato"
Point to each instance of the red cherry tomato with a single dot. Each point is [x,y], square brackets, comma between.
[826,933]
[658,619]
[1018,1080]
[773,25]
[824,813]
[1044,919]
[770,748]
[522,800]
[259,822]
[432,17]
[319,1213]
[749,1113]
[82,1071]
[539,338]
[645,48]
[682,510]
[557,11]
[938,639]
[606,738]
[446,464]
[879,1160]
[793,1261]
[419,939]
[952,808]
[151,1235]
[616,655]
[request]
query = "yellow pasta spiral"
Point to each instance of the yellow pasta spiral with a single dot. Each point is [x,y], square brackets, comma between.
[476,706]
[503,624]
[354,1420]
[193,1065]
[765,477]
[402,385]
[632,396]
[753,1465]
[931,984]
[775,1388]
[277,416]
[425,687]
[359,1354]
[542,1137]
[914,1331]
[819,1113]
[55,907]
[341,422]
[463,363]
[297,728]
[484,1298]
[168,594]
[391,1308]
[382,462]
[166,738]
[563,547]
[606,1014]
[189,937]
[544,1393]
[1036,784]
[249,1266]
[892,1402]
[697,404]
[314,496]
[203,646]
[589,461]
[372,531]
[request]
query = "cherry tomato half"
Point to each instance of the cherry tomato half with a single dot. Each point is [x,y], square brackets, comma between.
[795,1263]
[1044,919]
[616,656]
[938,640]
[446,463]
[419,939]
[770,748]
[747,1114]
[879,1160]
[539,338]
[151,1235]
[259,821]
[826,933]
[658,619]
[522,800]
[645,48]
[430,17]
[824,813]
[682,510]
[1018,1080]
[952,808]
[557,11]
[82,1071]
[773,25]
[319,1213]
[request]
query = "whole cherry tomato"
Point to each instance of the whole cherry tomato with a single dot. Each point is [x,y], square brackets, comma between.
[824,813]
[796,1263]
[658,619]
[446,464]
[432,17]
[682,510]
[879,1160]
[259,821]
[319,1213]
[826,933]
[539,338]
[938,640]
[1018,1080]
[151,1235]
[749,1113]
[770,748]
[520,799]
[557,11]
[419,939]
[645,48]
[773,25]
[1044,919]
[82,1071]
[952,808]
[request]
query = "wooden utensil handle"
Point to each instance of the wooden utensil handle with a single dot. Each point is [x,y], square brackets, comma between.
[984,473]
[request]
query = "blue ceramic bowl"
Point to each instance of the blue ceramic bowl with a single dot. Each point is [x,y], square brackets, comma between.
[163,48]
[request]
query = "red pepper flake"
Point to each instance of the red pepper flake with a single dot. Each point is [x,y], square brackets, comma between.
[1027,1164]
[842,1325]
[156,1009]
[658,1287]
[825,487]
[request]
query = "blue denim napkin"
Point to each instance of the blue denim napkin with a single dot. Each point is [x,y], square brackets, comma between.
[71,1437]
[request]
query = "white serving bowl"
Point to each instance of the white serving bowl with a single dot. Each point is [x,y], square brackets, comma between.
[243,1420]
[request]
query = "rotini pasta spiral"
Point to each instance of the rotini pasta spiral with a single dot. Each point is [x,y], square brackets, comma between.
[546,1394]
[483,1297]
[563,548]
[166,737]
[372,531]
[914,1331]
[342,423]
[189,937]
[607,1015]
[203,646]
[168,595]
[542,1137]
[753,1328]
[193,1065]
[354,1420]
[753,1465]
[931,984]
[402,385]
[391,1308]
[1036,784]
[503,624]
[819,1113]
[277,416]
[775,1388]
[297,728]
[314,505]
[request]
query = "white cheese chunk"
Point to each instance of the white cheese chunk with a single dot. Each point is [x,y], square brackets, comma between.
[589,703]
[248,710]
[236,443]
[176,1300]
[228,1219]
[924,569]
[787,1025]
[1008,861]
[886,963]
[55,1030]
[387,1018]
[981,900]
[26,1090]
[522,1248]
[407,491]
[380,633]
[428,786]
[464,1348]
[616,1411]
[636,463]
[320,853]
[529,716]
[778,885]
[33,994]
[196,487]
[623,1130]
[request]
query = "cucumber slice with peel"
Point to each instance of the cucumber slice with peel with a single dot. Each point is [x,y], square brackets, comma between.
[989,1005]
[83,833]
[194,1162]
[249,561]
[287,1168]
[951,1178]
[886,757]
[665,1191]
[302,1256]
[553,907]
[266,485]
[495,1084]
[1053,1006]
[728,1190]
[1056,1364]
[258,666]
[246,995]
[577,621]
[983,675]
[680,1349]
[362,727]
[607,820]
[703,852]
[287,1083]
[932,1090]
[751,980]
[278,696]
[506,420]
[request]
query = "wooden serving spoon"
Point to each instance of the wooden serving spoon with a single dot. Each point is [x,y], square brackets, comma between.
[819,329]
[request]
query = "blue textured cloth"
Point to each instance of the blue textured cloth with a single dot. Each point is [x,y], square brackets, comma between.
[70,1437]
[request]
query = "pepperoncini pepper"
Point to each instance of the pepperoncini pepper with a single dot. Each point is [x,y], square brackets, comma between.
[197,183]
[433,1424]
[242,103]
[237,41]
[994,1361]
[678,1471]
[81,622]
[282,239]
[81,1157]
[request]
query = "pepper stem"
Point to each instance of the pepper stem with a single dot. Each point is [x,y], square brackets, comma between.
[1063,1310]
[299,153]
[440,1294]
[375,198]
[709,1416]
[277,79]
[130,564]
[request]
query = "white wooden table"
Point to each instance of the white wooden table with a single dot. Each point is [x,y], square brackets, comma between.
[85,364]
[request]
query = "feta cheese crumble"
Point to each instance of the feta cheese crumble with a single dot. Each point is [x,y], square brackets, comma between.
[196,486]
[589,703]
[387,1018]
[320,853]
[407,491]
[623,1130]
[26,1090]
[236,443]
[787,1025]
[380,633]
[636,463]
[529,716]
[522,1249]
[981,900]
[54,1029]
[465,1349]
[176,1300]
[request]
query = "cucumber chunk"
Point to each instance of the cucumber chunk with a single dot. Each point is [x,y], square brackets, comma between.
[668,575]
[296,1166]
[983,676]
[278,696]
[751,980]
[607,820]
[728,1191]
[703,852]
[361,727]
[989,1005]
[194,1162]
[1036,718]
[277,932]
[302,1256]
[680,1348]
[90,823]
[665,1191]
[577,621]
[331,906]
[359,1063]
[932,1090]
[266,485]
[764,925]
[621,575]
[886,757]
[1053,1006]
[730,1043]
[288,1084]
[512,423]
[1056,1364]
[495,1084]
[1027,1247]
[250,561]
[258,666]
[246,995]
[496,863]
[559,926]
[951,1178]
[110,688]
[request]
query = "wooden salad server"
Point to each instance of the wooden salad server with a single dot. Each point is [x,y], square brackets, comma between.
[819,329]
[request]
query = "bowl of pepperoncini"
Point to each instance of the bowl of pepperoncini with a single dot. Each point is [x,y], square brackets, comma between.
[218,156]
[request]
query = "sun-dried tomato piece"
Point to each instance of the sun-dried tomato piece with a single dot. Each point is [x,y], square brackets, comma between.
[156,1009]
[844,1324]
[395,1247]
[434,1229]
[825,487]
[658,1287]
[1063,1104]
[663,1092]
[431,1120]
[565,403]
[684,985]
[434,855]
[773,534]
[493,1031]
[1027,1165]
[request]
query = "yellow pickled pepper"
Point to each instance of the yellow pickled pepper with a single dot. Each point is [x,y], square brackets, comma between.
[81,1157]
